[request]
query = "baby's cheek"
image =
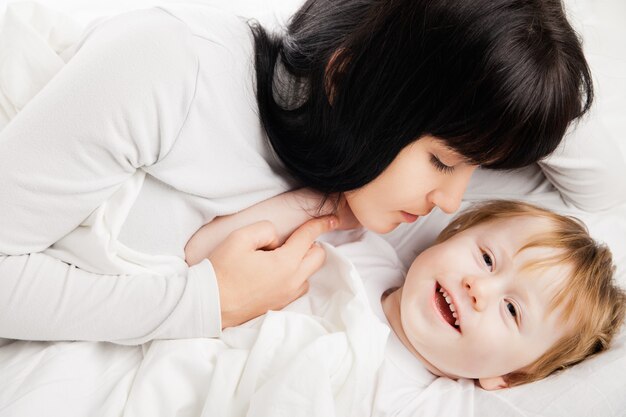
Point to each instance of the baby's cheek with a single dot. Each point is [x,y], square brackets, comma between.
[481,356]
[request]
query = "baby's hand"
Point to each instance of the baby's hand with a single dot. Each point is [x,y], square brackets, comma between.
[345,216]
[286,212]
[201,244]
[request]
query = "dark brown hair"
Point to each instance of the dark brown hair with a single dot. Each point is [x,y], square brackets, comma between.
[498,80]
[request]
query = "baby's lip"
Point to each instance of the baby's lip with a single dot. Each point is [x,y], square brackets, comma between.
[456,305]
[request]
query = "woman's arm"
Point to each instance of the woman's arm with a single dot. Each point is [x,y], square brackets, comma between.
[42,298]
[115,107]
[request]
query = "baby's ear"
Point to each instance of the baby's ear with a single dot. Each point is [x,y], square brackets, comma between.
[493,383]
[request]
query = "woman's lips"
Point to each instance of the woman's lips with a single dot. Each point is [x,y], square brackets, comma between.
[409,218]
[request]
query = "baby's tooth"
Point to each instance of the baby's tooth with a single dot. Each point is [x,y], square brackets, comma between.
[455,315]
[447,299]
[456,323]
[452,307]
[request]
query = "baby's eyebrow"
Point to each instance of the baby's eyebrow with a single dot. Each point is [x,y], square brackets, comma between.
[527,313]
[536,302]
[528,301]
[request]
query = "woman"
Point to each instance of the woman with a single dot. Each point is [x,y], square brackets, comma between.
[153,129]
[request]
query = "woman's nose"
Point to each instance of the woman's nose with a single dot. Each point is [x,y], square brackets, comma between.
[448,203]
[476,291]
[449,194]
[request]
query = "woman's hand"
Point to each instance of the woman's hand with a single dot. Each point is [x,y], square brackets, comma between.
[254,275]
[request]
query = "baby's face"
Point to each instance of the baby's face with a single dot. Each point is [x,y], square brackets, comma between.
[470,309]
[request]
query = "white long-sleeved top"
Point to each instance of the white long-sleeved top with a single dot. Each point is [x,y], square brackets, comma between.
[148,132]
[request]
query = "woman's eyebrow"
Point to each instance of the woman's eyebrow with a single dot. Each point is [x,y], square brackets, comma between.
[453,153]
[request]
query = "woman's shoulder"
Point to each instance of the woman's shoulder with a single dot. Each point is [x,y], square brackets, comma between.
[149,42]
[221,39]
[170,31]
[212,23]
[150,26]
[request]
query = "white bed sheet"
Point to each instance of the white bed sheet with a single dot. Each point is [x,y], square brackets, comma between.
[102,379]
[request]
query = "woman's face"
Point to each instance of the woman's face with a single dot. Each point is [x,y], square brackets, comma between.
[425,174]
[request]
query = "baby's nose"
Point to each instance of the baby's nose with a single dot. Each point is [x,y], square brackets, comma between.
[476,292]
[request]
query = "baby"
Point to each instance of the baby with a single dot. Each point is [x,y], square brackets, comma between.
[508,294]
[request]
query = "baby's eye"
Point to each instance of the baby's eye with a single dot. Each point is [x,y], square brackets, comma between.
[511,308]
[488,260]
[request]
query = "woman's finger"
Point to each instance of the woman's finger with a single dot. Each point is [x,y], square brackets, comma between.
[311,263]
[299,292]
[304,288]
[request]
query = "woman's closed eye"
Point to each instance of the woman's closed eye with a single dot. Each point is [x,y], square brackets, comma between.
[440,166]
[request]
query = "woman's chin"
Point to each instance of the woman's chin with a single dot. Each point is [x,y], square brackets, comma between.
[378,227]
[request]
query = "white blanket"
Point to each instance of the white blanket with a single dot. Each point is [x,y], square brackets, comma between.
[318,357]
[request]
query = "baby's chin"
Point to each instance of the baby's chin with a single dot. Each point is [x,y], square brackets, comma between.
[439,366]
[434,367]
[391,306]
[448,371]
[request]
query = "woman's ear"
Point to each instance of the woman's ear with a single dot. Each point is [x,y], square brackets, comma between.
[493,383]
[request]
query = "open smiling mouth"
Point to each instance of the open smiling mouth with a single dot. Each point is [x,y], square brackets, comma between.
[446,307]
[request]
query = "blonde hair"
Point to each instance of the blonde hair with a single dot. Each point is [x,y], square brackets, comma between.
[590,299]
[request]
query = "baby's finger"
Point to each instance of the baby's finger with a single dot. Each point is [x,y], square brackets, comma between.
[256,236]
[299,243]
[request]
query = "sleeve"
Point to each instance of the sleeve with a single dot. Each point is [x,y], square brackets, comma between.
[588,169]
[115,107]
[42,298]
